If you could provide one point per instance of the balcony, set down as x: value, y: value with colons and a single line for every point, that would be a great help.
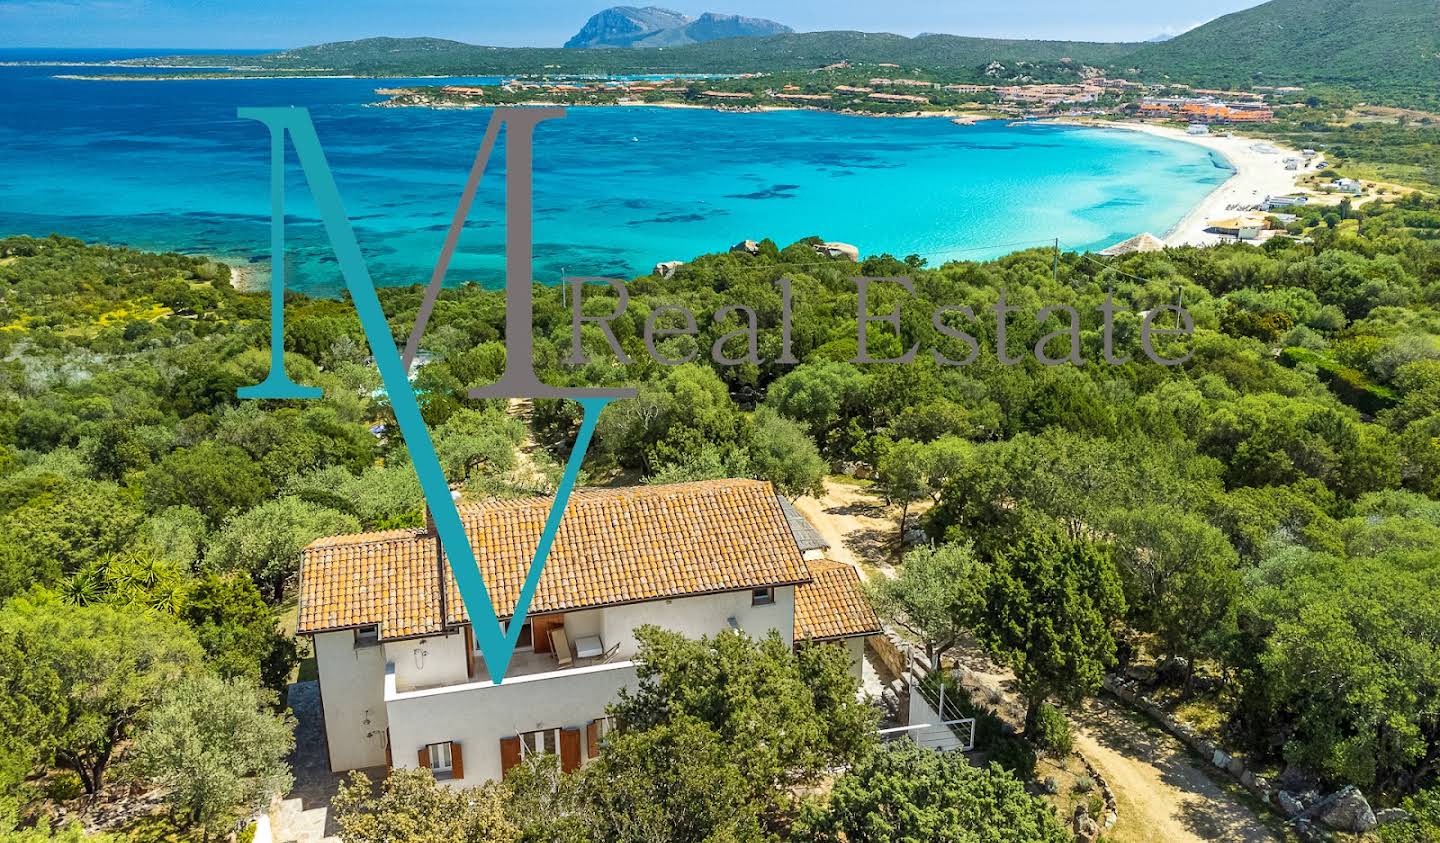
x: 525, y: 668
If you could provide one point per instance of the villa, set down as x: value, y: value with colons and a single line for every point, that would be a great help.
x: 402, y: 683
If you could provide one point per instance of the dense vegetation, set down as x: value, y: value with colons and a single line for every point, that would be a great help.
x: 432, y: 56
x: 1264, y: 515
x: 1388, y: 48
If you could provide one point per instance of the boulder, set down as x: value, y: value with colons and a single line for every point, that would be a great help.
x: 666, y: 269
x: 1289, y: 804
x: 1247, y: 780
x: 1348, y: 811
x: 1236, y: 767
x: 1085, y: 828
x: 1220, y: 758
x: 1391, y: 815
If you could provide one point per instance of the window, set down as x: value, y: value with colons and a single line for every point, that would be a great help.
x: 441, y: 760
x: 540, y: 742
x: 762, y: 596
x: 367, y: 636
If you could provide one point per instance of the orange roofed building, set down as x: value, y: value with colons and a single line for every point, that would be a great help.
x: 403, y: 684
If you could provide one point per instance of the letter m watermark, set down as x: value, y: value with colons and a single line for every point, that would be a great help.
x: 519, y: 379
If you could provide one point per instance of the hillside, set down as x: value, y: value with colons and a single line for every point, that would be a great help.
x: 651, y: 26
x: 1389, y: 46
x: 1387, y: 50
x: 793, y: 51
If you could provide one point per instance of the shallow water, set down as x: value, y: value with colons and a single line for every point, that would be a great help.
x: 168, y: 165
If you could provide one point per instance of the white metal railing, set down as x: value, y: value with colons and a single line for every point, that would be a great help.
x: 947, y: 735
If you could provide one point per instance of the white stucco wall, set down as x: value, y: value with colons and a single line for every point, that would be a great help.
x: 479, y: 714
x: 696, y: 616
x: 352, y: 691
x: 855, y: 649
x: 431, y: 698
x: 428, y: 662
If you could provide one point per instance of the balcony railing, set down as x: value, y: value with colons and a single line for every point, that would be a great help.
x: 532, y: 668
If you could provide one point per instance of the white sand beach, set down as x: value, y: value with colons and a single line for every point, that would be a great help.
x: 1259, y: 172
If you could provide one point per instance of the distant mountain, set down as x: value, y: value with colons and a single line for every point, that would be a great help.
x: 621, y: 26
x: 1375, y: 45
x: 652, y: 26
x: 1161, y: 38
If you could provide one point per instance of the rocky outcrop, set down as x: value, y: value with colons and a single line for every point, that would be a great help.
x: 1347, y: 810
x: 652, y: 26
x: 1085, y: 828
x: 621, y: 26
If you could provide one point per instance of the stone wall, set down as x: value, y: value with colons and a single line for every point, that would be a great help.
x: 1344, y: 810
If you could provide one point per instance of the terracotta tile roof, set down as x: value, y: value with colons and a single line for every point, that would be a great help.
x: 613, y: 546
x: 833, y: 605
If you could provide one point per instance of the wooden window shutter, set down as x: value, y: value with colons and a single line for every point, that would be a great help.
x: 469, y: 652
x: 592, y: 739
x: 425, y: 757
x: 457, y: 763
x: 569, y: 749
x: 509, y: 754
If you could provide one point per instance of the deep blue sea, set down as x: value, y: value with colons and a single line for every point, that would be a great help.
x: 167, y: 165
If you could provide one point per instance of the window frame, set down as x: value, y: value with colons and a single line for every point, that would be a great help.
x: 446, y: 771
x: 762, y: 596
x: 542, y: 737
x: 367, y: 635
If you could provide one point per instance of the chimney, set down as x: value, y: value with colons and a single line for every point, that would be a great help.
x: 439, y: 552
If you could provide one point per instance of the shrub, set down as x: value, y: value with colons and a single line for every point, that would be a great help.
x: 1051, y: 732
x: 64, y: 786
x: 1083, y: 784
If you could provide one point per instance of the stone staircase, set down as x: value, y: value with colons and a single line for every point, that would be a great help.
x: 292, y: 822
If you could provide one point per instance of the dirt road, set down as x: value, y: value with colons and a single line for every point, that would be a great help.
x: 1162, y: 792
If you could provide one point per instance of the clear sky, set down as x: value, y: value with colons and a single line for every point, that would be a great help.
x: 293, y: 23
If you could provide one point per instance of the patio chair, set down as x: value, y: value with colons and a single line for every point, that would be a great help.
x: 561, y: 645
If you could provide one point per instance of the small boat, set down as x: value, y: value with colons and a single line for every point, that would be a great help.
x: 634, y: 139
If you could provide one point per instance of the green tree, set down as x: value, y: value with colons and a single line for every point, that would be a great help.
x: 217, y: 749
x: 676, y: 781
x: 265, y: 542
x: 109, y: 665
x: 1181, y: 578
x: 238, y: 630
x: 785, y: 718
x: 1049, y: 610
x: 782, y: 453
x: 937, y: 595
x: 215, y: 479
x: 902, y: 477
x: 906, y: 793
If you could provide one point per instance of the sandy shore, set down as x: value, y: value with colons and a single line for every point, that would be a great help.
x: 1259, y: 172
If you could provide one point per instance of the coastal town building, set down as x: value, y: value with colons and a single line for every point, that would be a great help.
x: 402, y: 683
x: 905, y: 98
x: 1205, y: 110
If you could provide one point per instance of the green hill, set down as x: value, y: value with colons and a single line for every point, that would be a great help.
x: 1389, y: 47
x: 794, y: 51
x: 1389, y: 50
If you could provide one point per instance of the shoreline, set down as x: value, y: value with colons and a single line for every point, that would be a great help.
x: 970, y: 117
x: 1258, y: 173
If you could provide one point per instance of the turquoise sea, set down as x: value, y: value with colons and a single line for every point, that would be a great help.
x: 167, y: 165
